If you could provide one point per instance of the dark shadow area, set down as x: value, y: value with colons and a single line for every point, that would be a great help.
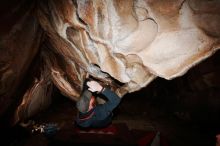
x: 184, y: 110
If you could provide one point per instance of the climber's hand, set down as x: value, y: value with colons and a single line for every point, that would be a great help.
x: 94, y: 86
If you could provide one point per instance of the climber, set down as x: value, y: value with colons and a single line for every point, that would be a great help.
x: 92, y: 115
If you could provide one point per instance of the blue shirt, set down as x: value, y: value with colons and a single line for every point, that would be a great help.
x: 100, y: 115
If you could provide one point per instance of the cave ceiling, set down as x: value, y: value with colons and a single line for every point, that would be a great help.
x: 123, y: 43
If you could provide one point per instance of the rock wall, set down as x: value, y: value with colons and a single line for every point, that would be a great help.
x: 125, y: 44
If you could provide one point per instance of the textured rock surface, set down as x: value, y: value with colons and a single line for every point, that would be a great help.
x: 132, y: 42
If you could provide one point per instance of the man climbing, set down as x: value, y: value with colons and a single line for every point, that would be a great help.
x: 96, y: 115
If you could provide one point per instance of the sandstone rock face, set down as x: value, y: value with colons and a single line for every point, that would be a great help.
x: 21, y: 36
x: 123, y: 43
